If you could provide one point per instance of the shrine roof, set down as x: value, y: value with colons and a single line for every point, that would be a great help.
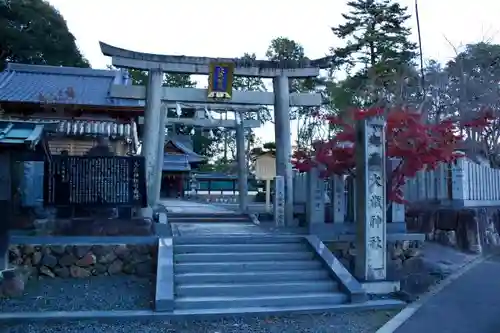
x: 62, y: 85
x: 185, y: 144
x: 176, y: 162
x: 23, y: 133
x: 215, y: 176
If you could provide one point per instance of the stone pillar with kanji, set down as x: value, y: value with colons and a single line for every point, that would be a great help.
x: 371, y: 248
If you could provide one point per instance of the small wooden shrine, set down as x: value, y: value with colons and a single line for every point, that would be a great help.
x: 178, y: 162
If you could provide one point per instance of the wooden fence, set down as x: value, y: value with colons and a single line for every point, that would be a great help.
x: 466, y: 182
x: 463, y: 183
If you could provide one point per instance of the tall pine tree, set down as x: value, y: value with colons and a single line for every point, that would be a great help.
x: 378, y: 51
x: 376, y: 34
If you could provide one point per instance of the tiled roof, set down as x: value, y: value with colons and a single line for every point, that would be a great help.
x: 62, y: 85
x: 176, y: 162
x: 25, y: 133
x: 214, y: 176
x: 185, y: 144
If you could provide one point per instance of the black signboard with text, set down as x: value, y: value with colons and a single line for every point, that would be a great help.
x: 88, y: 181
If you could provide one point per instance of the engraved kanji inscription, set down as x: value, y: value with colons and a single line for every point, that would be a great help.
x: 375, y: 180
x: 375, y: 243
x: 375, y: 221
x: 376, y: 201
x: 374, y: 160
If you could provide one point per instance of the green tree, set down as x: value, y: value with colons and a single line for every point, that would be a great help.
x: 264, y: 115
x: 140, y: 78
x: 378, y: 53
x: 376, y: 34
x: 466, y: 86
x: 34, y: 32
x: 286, y: 50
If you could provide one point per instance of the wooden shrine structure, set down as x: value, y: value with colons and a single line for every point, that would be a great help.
x: 77, y: 99
x: 179, y: 160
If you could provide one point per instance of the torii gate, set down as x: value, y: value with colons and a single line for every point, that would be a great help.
x: 200, y: 119
x: 224, y: 68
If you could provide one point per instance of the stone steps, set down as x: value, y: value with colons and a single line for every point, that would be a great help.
x: 224, y: 274
x: 242, y: 256
x: 240, y: 248
x: 250, y: 289
x: 274, y: 300
x: 305, y: 275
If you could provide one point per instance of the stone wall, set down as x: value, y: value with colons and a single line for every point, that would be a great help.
x: 405, y: 263
x: 77, y: 261
x: 399, y: 254
x: 467, y: 229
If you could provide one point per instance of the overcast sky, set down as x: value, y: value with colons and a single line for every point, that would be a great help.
x: 191, y: 27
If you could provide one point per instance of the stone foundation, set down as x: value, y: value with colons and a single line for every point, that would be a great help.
x: 93, y: 227
x: 468, y: 229
x: 77, y: 261
x: 399, y: 254
x: 46, y: 222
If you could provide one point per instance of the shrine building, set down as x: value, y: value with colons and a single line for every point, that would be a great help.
x: 79, y: 100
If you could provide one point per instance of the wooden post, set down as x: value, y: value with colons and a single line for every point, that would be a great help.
x: 6, y: 206
x: 459, y: 180
x: 371, y: 246
x: 268, y: 195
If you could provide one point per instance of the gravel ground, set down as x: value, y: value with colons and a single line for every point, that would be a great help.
x: 95, y: 293
x: 360, y: 322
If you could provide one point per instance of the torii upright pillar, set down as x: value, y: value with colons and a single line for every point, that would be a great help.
x: 242, y: 163
x: 151, y: 131
x: 283, y: 140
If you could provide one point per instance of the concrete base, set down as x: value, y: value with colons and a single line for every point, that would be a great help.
x: 164, y: 296
x: 124, y: 315
x: 347, y: 282
x: 381, y: 287
x: 146, y: 212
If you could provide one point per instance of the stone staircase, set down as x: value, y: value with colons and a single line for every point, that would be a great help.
x: 251, y: 274
x: 229, y: 217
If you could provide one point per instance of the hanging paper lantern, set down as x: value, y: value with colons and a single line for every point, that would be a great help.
x: 178, y: 110
x: 208, y: 114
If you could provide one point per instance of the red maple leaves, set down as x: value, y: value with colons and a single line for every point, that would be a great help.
x: 414, y: 144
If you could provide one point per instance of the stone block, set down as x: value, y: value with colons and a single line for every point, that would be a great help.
x: 76, y: 261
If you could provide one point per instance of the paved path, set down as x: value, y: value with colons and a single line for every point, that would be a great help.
x: 470, y: 304
x: 185, y: 206
x: 206, y: 228
x: 213, y: 229
x: 224, y: 228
